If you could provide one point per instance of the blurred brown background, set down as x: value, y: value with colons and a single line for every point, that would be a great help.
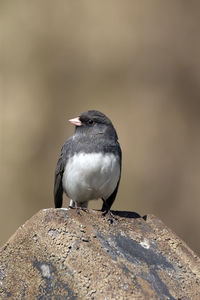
x: 136, y: 61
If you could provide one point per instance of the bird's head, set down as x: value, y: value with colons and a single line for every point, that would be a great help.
x: 94, y: 122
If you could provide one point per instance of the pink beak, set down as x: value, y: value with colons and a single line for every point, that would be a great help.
x: 76, y: 121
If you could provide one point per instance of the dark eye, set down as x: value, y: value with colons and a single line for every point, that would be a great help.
x: 90, y: 122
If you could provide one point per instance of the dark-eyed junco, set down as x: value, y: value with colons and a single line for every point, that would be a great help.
x: 89, y: 166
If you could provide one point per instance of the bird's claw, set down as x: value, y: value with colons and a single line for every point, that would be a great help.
x: 110, y: 215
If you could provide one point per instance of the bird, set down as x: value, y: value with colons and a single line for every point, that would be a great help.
x: 89, y: 166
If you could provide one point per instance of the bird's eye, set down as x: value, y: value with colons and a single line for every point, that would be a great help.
x: 90, y: 122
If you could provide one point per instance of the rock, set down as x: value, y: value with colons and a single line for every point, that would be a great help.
x: 59, y: 254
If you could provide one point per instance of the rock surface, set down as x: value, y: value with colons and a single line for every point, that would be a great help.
x: 59, y: 254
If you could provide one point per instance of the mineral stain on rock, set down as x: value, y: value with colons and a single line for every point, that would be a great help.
x: 51, y: 286
x: 121, y: 246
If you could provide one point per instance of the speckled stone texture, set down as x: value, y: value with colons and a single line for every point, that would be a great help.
x: 60, y: 254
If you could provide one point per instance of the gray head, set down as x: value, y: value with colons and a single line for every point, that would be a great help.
x: 94, y: 122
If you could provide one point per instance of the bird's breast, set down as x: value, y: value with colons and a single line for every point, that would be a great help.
x: 91, y: 176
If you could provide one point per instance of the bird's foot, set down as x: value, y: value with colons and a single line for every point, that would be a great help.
x: 110, y: 215
x: 84, y: 209
x: 78, y: 209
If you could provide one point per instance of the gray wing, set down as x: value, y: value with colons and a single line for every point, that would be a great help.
x: 58, y: 187
x: 107, y: 203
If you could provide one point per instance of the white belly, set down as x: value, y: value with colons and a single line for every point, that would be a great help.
x: 91, y: 176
